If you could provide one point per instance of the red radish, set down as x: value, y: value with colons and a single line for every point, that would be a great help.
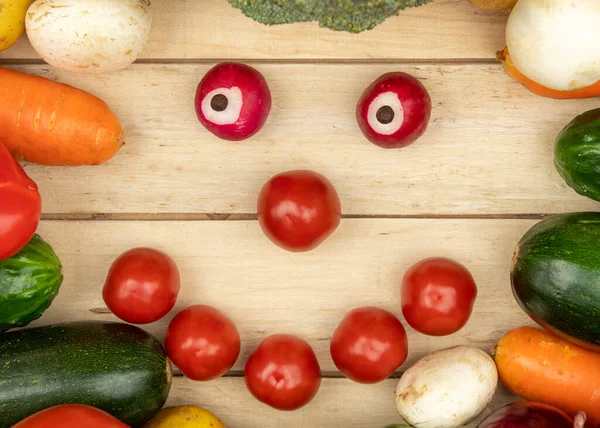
x: 531, y: 415
x: 233, y: 101
x: 394, y: 111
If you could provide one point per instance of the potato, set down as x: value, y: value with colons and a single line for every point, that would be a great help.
x: 89, y: 36
x: 447, y: 389
x: 494, y: 4
x: 12, y: 21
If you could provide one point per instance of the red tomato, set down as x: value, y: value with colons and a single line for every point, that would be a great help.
x: 203, y: 342
x: 369, y: 345
x: 20, y: 206
x: 298, y: 210
x: 283, y: 372
x: 142, y: 286
x: 438, y: 295
x: 71, y: 416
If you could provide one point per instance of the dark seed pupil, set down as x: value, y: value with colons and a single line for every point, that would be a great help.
x: 385, y: 114
x: 219, y: 102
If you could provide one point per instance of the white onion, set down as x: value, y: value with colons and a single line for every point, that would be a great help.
x: 556, y: 42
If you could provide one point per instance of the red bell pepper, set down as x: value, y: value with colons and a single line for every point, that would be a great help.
x: 71, y: 416
x: 20, y: 206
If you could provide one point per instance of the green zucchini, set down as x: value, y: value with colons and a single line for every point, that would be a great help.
x: 116, y: 367
x: 29, y: 282
x: 555, y: 276
x: 577, y: 154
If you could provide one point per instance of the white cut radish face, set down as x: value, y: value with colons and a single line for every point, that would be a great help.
x: 223, y: 106
x: 386, y: 115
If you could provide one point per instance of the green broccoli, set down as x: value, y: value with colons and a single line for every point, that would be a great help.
x: 341, y: 15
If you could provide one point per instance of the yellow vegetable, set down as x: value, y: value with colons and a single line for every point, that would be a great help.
x: 494, y: 4
x: 184, y: 417
x: 12, y: 21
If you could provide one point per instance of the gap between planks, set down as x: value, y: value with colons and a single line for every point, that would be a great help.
x: 253, y: 217
x: 341, y: 61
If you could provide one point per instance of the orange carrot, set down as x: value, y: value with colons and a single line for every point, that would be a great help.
x: 539, y: 366
x: 51, y: 123
x: 588, y: 92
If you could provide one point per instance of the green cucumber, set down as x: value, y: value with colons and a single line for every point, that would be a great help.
x: 116, y: 367
x: 577, y: 154
x: 555, y: 276
x: 29, y: 282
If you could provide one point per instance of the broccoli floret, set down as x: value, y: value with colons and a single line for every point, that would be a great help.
x: 341, y: 15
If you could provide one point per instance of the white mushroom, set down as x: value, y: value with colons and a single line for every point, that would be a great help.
x: 89, y: 36
x: 447, y: 389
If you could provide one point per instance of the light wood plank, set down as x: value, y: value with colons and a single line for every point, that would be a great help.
x: 339, y: 403
x: 200, y: 29
x: 265, y: 290
x: 488, y: 150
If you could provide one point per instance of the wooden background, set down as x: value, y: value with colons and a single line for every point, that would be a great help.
x: 479, y: 178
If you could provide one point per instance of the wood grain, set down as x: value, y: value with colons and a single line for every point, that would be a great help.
x: 265, y: 290
x: 208, y: 29
x: 488, y: 149
x: 339, y: 403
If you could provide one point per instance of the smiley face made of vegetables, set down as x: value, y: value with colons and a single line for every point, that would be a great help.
x: 233, y: 101
x: 394, y: 111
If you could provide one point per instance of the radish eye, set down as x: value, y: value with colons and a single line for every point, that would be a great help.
x: 223, y: 106
x: 386, y: 115
x: 219, y: 102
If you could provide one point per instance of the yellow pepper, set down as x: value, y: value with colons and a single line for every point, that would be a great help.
x: 184, y: 417
x: 12, y: 21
